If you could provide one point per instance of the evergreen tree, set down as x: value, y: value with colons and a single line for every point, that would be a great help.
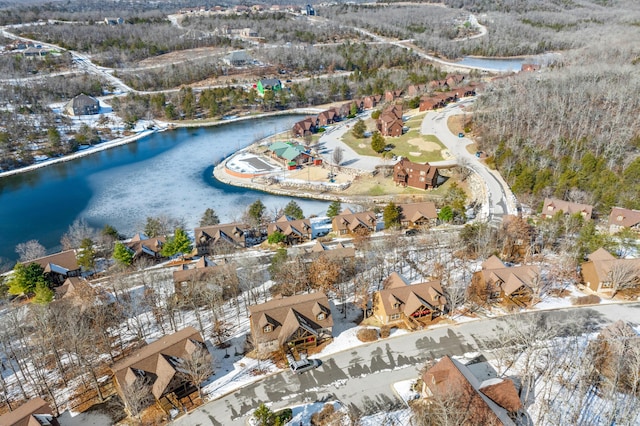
x: 256, y: 211
x: 43, y: 294
x: 153, y: 227
x: 87, y: 255
x: 334, y: 209
x: 264, y: 416
x: 276, y: 237
x: 26, y: 278
x: 392, y: 215
x: 378, y: 142
x: 446, y: 214
x: 111, y: 232
x: 293, y: 210
x: 178, y: 244
x: 209, y: 218
x: 122, y: 254
x: 358, y: 129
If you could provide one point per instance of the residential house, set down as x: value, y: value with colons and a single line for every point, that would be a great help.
x: 412, y: 304
x: 415, y: 175
x: 291, y: 323
x: 326, y: 117
x: 304, y: 127
x: 349, y: 222
x: 58, y: 267
x: 36, y: 412
x: 79, y: 293
x: 296, y: 230
x: 35, y: 52
x: 416, y: 89
x: 372, y: 101
x: 390, y: 121
x: 530, y: 67
x: 142, y: 246
x: 486, y: 401
x: 392, y: 95
x: 497, y: 282
x: 454, y: 80
x: 228, y: 235
x: 418, y: 214
x: 82, y: 105
x: 289, y: 153
x: 238, y: 58
x: 602, y: 268
x: 269, y: 84
x: 345, y: 108
x: 205, y: 273
x: 158, y: 366
x: 620, y: 219
x: 338, y: 252
x: 552, y: 206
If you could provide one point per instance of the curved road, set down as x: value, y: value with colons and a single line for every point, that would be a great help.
x: 498, y: 198
x: 361, y: 377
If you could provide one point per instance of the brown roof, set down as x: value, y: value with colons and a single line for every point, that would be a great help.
x: 450, y: 377
x: 159, y: 358
x: 624, y: 217
x: 290, y: 226
x: 339, y: 251
x: 286, y: 315
x: 347, y: 220
x: 597, y: 270
x: 553, y: 205
x: 195, y: 274
x: 59, y: 262
x: 410, y: 296
x: 509, y: 279
x: 24, y: 415
x: 150, y: 246
x: 230, y: 232
x: 415, y: 212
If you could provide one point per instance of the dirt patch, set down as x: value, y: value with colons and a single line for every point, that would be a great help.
x: 361, y: 145
x: 180, y: 56
x: 424, y: 145
x: 415, y: 154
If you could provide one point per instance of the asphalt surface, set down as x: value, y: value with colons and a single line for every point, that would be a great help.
x: 362, y: 377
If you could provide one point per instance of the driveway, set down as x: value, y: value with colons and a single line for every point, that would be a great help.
x: 362, y: 377
x: 498, y: 198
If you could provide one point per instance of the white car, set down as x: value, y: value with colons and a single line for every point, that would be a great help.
x: 303, y: 365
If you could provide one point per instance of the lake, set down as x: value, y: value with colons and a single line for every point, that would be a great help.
x: 168, y: 173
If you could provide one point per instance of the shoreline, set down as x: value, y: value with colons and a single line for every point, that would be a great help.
x: 160, y: 126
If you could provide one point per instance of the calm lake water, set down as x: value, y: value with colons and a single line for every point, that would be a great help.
x: 168, y: 173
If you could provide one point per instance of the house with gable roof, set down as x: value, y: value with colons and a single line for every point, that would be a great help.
x: 597, y: 271
x: 82, y: 105
x: 305, y: 127
x: 35, y: 412
x: 401, y: 301
x: 58, y: 267
x: 620, y: 219
x: 232, y: 235
x: 338, y: 252
x: 552, y: 206
x: 291, y: 323
x: 142, y: 246
x: 415, y: 175
x: 190, y: 278
x: 349, y: 222
x: 296, y: 230
x: 157, y: 365
x: 268, y: 85
x: 290, y: 154
x: 497, y: 282
x: 418, y: 214
x: 489, y: 401
x: 390, y: 122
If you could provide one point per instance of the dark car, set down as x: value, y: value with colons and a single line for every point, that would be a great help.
x: 411, y: 232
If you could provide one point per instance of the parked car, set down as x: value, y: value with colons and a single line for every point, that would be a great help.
x: 412, y: 232
x: 299, y: 367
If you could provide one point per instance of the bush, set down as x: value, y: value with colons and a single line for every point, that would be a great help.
x: 376, y: 114
x: 590, y: 299
x: 367, y: 335
x: 323, y: 416
x: 385, y: 331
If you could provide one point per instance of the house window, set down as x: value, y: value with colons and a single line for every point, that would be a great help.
x: 394, y: 317
x: 423, y: 173
x: 421, y: 179
x: 321, y: 316
x: 550, y: 208
x: 495, y: 295
x: 606, y: 284
x: 396, y: 305
x: 267, y: 328
x: 620, y: 218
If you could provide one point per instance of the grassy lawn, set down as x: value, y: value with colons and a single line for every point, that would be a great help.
x: 411, y: 145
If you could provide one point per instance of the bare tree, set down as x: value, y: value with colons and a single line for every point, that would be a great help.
x: 337, y: 156
x: 78, y: 231
x: 136, y: 396
x: 624, y: 274
x: 197, y: 367
x: 30, y: 250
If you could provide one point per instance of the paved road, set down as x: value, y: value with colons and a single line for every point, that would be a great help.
x: 499, y: 200
x: 362, y: 377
